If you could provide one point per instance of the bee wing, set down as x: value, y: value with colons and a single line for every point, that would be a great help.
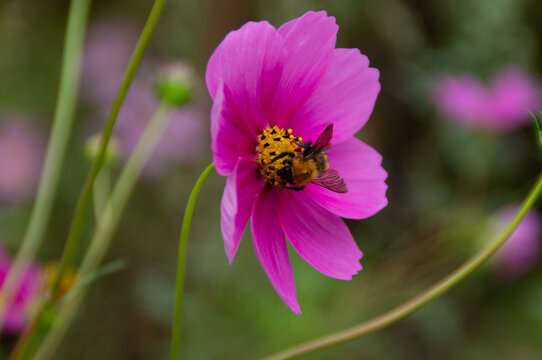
x: 332, y: 181
x: 322, y: 143
x: 325, y: 138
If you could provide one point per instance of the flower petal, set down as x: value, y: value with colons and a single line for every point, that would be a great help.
x: 242, y: 188
x: 320, y: 237
x: 360, y: 167
x: 270, y: 247
x: 309, y: 42
x: 229, y: 139
x: 249, y: 63
x: 345, y: 98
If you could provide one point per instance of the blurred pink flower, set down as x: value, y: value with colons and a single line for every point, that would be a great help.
x: 269, y: 87
x: 109, y: 48
x: 522, y: 250
x: 183, y: 141
x: 20, y: 162
x: 501, y: 106
x: 18, y: 314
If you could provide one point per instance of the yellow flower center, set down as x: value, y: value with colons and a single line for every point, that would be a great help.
x: 275, y: 149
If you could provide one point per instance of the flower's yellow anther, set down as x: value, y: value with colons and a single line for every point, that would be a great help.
x: 271, y: 144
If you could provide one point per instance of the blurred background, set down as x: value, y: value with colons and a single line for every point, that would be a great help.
x: 450, y: 123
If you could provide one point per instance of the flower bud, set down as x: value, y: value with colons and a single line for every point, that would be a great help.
x: 92, y: 147
x: 49, y: 274
x: 175, y: 84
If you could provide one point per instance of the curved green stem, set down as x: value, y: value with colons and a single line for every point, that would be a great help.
x: 420, y: 300
x: 56, y: 148
x: 106, y: 225
x: 181, y: 262
x: 86, y: 193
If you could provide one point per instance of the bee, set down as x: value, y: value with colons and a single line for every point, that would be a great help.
x: 311, y: 166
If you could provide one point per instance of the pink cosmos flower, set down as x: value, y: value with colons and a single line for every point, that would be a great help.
x: 17, y: 315
x: 522, y: 250
x: 20, y: 162
x: 501, y: 106
x: 275, y: 93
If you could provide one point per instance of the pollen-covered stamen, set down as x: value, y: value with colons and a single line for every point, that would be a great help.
x: 276, y: 148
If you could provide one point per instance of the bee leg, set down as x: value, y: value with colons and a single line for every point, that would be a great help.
x: 296, y: 188
x: 280, y: 156
x: 304, y: 145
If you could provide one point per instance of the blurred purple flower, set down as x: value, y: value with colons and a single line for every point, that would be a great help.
x: 501, y: 106
x: 108, y: 48
x: 522, y: 250
x: 20, y: 162
x: 29, y: 289
x: 108, y: 51
x: 270, y: 86
x: 183, y: 141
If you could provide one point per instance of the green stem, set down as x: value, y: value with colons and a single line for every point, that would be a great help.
x: 420, y: 300
x: 86, y: 194
x: 181, y: 262
x: 101, y: 190
x: 56, y: 148
x: 106, y: 225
